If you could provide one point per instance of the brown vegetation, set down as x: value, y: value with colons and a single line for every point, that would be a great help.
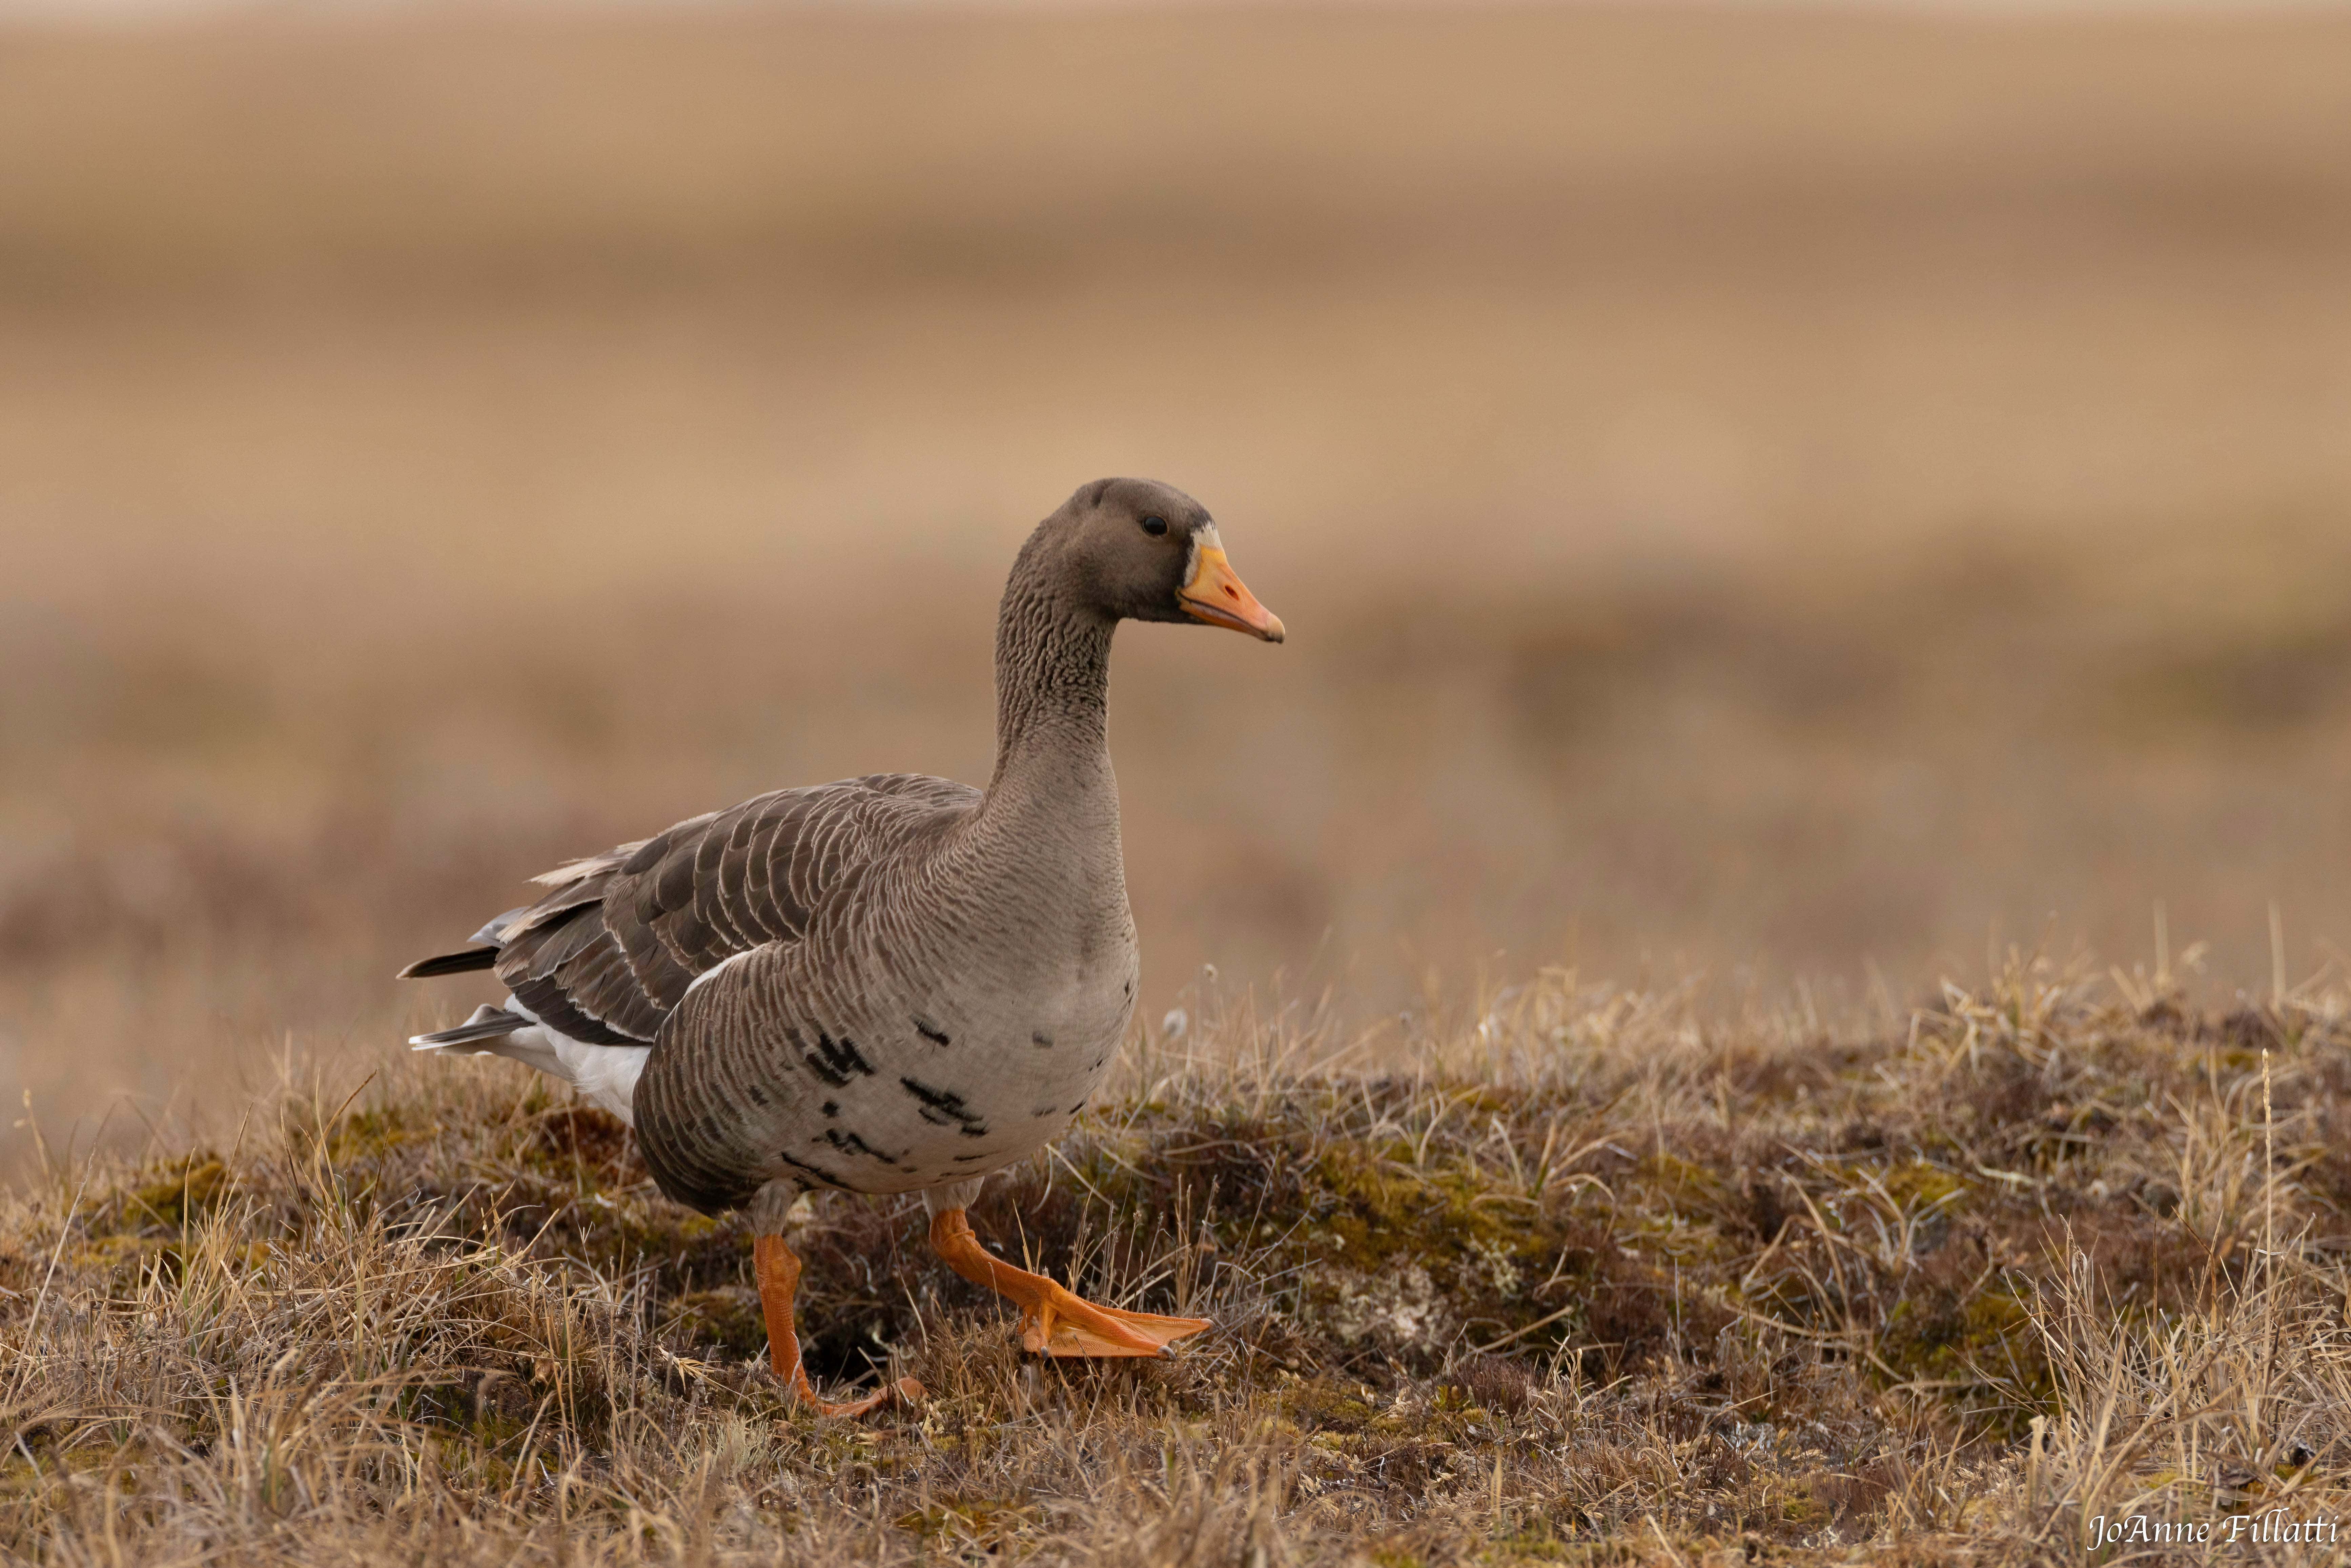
x: 1571, y: 1275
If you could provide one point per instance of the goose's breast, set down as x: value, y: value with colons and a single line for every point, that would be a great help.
x: 1029, y: 1048
x: 956, y: 1075
x: 953, y: 1049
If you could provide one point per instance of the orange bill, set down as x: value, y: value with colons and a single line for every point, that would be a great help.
x: 1214, y: 593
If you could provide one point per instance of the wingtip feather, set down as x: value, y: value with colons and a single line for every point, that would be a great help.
x: 462, y: 963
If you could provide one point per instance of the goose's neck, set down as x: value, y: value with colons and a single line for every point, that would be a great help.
x: 1053, y: 688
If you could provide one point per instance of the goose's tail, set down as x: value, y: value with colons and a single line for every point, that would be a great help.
x: 488, y: 1024
x: 607, y: 1074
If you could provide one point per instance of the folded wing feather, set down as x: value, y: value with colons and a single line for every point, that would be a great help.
x: 618, y: 937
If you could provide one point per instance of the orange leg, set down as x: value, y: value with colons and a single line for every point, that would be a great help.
x: 1054, y: 1321
x: 778, y: 1270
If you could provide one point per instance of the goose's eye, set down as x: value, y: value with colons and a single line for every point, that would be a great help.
x: 1154, y: 525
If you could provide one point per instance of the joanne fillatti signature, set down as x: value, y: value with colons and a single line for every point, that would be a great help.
x: 2274, y: 1527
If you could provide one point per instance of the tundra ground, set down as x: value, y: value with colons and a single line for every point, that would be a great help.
x: 1569, y: 1278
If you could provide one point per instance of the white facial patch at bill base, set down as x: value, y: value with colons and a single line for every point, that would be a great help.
x: 1204, y: 537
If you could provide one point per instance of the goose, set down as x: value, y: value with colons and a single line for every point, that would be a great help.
x: 884, y: 984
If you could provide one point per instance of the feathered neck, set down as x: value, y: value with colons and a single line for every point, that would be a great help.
x: 1052, y: 680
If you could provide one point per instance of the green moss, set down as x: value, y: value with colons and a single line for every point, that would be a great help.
x: 1919, y: 1185
x: 1985, y: 1341
x: 987, y: 1523
x: 190, y: 1187
x: 1687, y: 1187
x: 1380, y: 1211
x: 1324, y: 1406
x: 728, y: 1319
x: 367, y: 1134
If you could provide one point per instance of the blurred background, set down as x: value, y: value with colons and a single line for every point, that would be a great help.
x: 1785, y: 501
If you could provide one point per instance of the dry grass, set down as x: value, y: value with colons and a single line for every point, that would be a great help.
x: 1568, y: 1277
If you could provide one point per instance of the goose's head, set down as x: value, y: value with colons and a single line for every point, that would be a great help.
x: 1140, y: 550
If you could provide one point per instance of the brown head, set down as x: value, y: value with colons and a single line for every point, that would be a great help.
x: 1134, y: 550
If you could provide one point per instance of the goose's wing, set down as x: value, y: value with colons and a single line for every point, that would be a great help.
x: 617, y: 938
